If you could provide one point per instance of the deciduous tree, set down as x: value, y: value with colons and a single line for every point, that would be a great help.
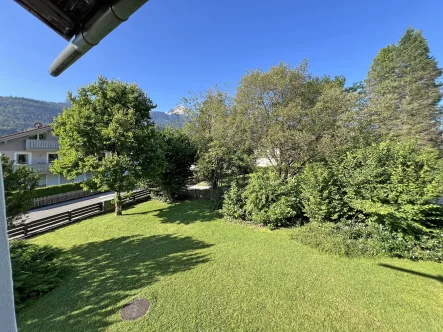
x: 19, y: 184
x: 108, y: 132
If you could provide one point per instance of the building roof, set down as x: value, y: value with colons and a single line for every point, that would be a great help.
x: 24, y: 133
x: 64, y: 16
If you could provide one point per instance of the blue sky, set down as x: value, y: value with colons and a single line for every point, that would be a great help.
x: 172, y: 47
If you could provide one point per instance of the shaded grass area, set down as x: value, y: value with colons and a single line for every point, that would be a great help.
x: 203, y: 274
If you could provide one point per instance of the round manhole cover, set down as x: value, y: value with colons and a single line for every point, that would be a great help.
x: 135, y: 309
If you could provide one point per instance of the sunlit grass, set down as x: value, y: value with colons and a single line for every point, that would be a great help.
x: 203, y: 274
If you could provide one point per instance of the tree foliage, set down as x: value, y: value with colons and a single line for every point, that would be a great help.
x: 271, y: 199
x: 109, y: 133
x: 19, y: 184
x: 222, y: 151
x: 293, y: 117
x: 396, y: 184
x: 404, y: 91
x: 180, y: 155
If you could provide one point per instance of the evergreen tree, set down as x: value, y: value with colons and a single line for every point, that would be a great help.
x: 404, y: 91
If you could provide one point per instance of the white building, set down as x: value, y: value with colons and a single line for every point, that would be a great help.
x: 35, y: 149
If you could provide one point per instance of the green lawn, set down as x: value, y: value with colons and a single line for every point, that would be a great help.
x: 203, y: 274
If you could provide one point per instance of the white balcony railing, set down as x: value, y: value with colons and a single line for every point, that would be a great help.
x: 32, y: 144
x: 40, y: 168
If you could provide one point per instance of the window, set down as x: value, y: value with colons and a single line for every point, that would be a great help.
x: 101, y: 157
x: 22, y: 159
x: 52, y: 157
x: 39, y: 136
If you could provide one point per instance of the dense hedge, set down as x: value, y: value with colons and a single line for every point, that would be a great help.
x: 268, y: 199
x: 36, y: 270
x: 55, y: 190
x: 380, y: 199
x: 393, y: 184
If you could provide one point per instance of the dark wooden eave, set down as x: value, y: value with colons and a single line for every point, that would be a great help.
x: 63, y: 16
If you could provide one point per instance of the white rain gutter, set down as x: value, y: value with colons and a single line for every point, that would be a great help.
x: 93, y: 31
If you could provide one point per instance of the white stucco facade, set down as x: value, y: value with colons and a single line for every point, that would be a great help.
x: 35, y: 149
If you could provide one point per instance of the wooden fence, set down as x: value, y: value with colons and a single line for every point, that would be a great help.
x: 32, y: 228
x: 59, y: 198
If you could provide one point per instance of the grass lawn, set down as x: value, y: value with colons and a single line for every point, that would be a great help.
x: 203, y: 274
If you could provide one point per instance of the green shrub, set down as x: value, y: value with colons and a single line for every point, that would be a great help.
x: 350, y: 239
x: 55, y: 190
x: 180, y: 153
x: 393, y: 184
x: 272, y: 200
x: 36, y: 270
x: 234, y: 203
x: 321, y: 194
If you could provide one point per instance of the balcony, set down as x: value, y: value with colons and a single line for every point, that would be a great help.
x: 32, y: 144
x: 40, y: 168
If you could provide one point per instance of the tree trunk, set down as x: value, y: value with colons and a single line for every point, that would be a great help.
x: 118, y: 204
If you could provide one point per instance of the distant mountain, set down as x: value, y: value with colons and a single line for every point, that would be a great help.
x: 18, y: 114
x: 175, y: 117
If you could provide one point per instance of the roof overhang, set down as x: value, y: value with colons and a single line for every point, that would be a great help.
x: 24, y: 133
x: 63, y: 16
x: 83, y: 22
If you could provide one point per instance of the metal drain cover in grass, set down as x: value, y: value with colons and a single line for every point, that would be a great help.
x: 135, y: 309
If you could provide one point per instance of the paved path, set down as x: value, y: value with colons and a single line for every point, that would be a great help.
x: 50, y: 210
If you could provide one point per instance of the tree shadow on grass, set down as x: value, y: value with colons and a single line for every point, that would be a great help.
x: 186, y: 212
x: 425, y: 275
x: 105, y: 275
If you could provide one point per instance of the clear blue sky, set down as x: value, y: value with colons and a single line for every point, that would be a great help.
x: 171, y: 47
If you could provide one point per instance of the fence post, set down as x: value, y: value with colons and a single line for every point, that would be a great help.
x: 25, y: 229
x: 70, y: 215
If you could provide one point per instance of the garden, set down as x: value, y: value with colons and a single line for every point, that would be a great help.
x: 325, y: 209
x: 204, y: 274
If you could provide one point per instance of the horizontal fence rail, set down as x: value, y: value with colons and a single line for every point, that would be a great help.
x: 32, y: 228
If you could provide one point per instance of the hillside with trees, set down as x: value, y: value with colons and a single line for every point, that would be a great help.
x: 18, y: 113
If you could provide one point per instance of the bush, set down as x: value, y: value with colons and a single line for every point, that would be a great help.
x: 55, y: 190
x: 350, y: 239
x: 392, y: 184
x: 234, y: 203
x: 272, y: 200
x: 180, y: 154
x: 321, y: 194
x: 36, y: 270
x: 19, y: 185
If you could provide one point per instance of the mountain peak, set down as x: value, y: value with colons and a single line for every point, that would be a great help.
x: 177, y: 110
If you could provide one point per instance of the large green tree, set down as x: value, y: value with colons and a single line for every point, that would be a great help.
x: 292, y: 117
x: 404, y: 91
x: 222, y: 149
x: 108, y: 132
x: 19, y: 184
